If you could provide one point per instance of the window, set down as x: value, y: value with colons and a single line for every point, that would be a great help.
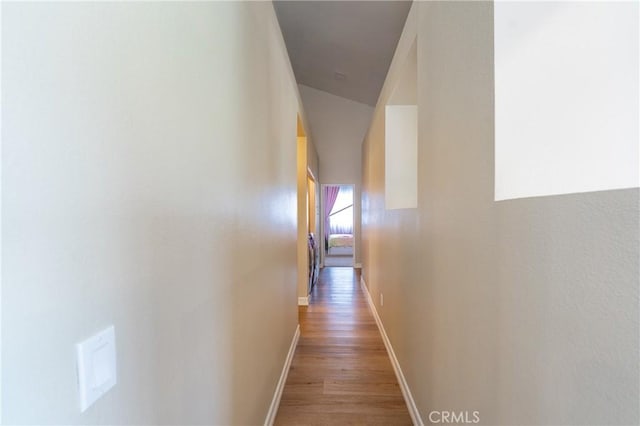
x: 341, y: 216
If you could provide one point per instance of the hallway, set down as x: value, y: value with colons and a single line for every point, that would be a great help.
x: 164, y: 212
x: 341, y: 373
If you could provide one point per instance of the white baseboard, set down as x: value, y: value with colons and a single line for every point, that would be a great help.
x: 404, y: 387
x: 303, y: 301
x: 275, y: 402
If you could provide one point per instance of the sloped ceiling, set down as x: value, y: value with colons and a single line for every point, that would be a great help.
x: 342, y: 47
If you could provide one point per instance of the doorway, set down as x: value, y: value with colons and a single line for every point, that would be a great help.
x: 308, y: 247
x: 338, y: 242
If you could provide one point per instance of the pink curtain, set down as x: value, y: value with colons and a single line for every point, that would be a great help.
x: 330, y: 196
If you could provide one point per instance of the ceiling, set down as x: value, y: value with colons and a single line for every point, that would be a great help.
x: 342, y: 47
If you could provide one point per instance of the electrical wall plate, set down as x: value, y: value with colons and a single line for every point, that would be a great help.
x: 96, y: 366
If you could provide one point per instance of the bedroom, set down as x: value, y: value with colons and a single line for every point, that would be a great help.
x: 338, y: 225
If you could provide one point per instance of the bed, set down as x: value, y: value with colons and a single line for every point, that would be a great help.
x: 340, y: 244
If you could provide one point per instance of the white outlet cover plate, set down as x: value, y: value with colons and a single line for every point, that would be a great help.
x: 96, y: 366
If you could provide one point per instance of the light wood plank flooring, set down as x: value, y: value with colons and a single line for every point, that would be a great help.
x: 341, y: 373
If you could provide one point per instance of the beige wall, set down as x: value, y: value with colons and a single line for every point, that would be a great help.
x: 149, y: 181
x: 337, y: 126
x: 525, y: 310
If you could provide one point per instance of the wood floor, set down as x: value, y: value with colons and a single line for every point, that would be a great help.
x: 341, y: 373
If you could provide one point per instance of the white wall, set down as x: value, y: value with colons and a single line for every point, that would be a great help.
x: 525, y: 310
x: 337, y: 126
x: 149, y: 181
x: 567, y: 97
